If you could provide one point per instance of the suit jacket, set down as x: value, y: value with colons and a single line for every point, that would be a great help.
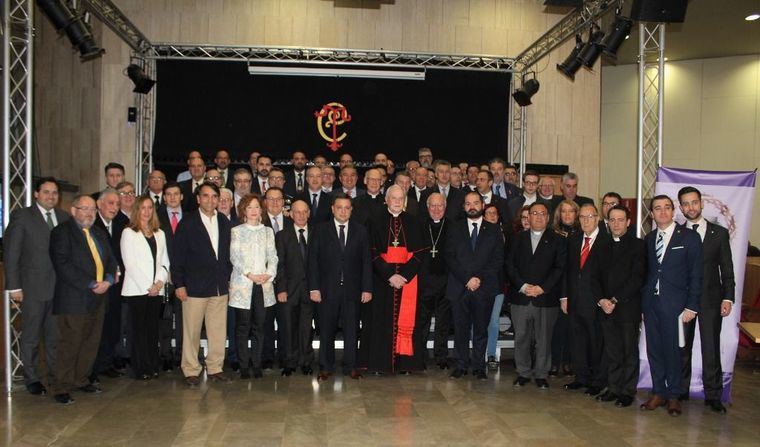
x: 338, y: 189
x: 484, y: 263
x: 189, y: 201
x: 619, y: 272
x: 255, y: 187
x: 579, y: 200
x: 27, y: 253
x: 516, y: 204
x: 545, y: 267
x: 365, y: 208
x: 75, y: 269
x: 140, y: 270
x: 680, y: 274
x: 327, y: 262
x: 324, y: 212
x: 511, y: 191
x: 165, y: 224
x: 413, y: 206
x: 195, y: 266
x: 291, y: 266
x: 114, y: 238
x: 454, y: 203
x: 290, y: 183
x: 580, y: 296
x: 502, y: 207
x: 718, y: 276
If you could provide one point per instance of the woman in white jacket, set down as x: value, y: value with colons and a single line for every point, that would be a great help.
x: 146, y: 267
x: 254, y: 266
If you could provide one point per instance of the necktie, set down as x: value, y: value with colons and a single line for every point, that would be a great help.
x: 474, y: 235
x: 223, y: 177
x: 275, y: 225
x: 99, y: 271
x: 302, y: 243
x: 445, y: 192
x: 108, y: 227
x: 584, y: 251
x: 299, y: 183
x: 498, y: 189
x: 156, y: 200
x: 174, y: 222
x: 263, y: 186
x: 342, y: 237
x: 694, y: 227
x: 49, y: 220
x: 314, y: 203
x: 660, y: 246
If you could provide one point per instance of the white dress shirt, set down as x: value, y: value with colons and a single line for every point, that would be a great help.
x: 701, y: 229
x: 487, y: 197
x: 337, y: 228
x: 278, y: 219
x: 529, y: 200
x: 44, y: 214
x: 212, y: 228
x: 305, y: 232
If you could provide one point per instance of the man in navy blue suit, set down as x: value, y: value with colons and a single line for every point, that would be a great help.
x: 670, y: 298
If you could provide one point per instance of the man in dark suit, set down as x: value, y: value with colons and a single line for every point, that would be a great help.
x: 348, y: 179
x: 609, y: 201
x: 569, y: 187
x: 528, y: 196
x: 535, y: 266
x: 114, y: 174
x: 454, y: 196
x: 169, y: 216
x: 474, y: 256
x: 30, y: 279
x: 85, y: 269
x: 502, y: 186
x: 197, y: 168
x: 340, y: 279
x: 222, y: 162
x: 156, y: 182
x: 261, y: 179
x: 315, y: 197
x: 669, y: 297
x: 718, y: 290
x: 414, y: 201
x: 297, y: 310
x: 295, y: 179
x: 581, y: 305
x: 112, y: 222
x: 616, y: 279
x: 483, y: 184
x: 370, y: 204
x: 201, y: 271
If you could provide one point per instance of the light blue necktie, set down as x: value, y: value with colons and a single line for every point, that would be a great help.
x: 660, y: 246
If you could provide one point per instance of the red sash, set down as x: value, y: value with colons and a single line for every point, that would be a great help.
x: 408, y: 308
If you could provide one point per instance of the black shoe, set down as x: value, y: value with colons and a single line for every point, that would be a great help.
x: 592, y: 391
x: 92, y: 389
x: 624, y: 401
x: 574, y: 385
x: 287, y: 372
x: 94, y: 380
x: 36, y: 389
x: 112, y: 373
x: 458, y: 373
x: 235, y: 366
x: 143, y: 377
x: 683, y: 397
x: 245, y: 373
x: 480, y: 374
x: 64, y: 399
x: 167, y: 366
x: 493, y: 365
x: 607, y: 396
x: 715, y: 405
x: 520, y: 381
x: 542, y: 384
x: 257, y: 374
x: 307, y: 370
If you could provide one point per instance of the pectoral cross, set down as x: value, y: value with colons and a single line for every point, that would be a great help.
x: 433, y: 252
x: 395, y: 243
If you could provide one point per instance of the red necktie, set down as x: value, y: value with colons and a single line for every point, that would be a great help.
x: 174, y: 222
x: 584, y: 251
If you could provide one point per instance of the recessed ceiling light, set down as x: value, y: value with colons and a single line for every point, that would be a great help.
x: 752, y: 17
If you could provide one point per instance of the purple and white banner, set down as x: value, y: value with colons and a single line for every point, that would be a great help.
x: 728, y: 197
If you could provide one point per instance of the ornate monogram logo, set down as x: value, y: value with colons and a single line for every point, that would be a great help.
x: 332, y: 115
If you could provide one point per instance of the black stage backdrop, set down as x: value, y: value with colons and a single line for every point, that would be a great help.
x: 204, y: 105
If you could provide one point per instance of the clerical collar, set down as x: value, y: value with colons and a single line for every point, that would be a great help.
x: 374, y: 196
x: 394, y: 214
x: 537, y: 233
x: 437, y: 221
x: 616, y: 239
x: 546, y: 197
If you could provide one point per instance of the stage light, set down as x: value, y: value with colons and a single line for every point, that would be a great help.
x: 142, y: 82
x: 526, y: 91
x: 752, y: 17
x: 336, y: 70
x: 572, y: 64
x: 78, y: 32
x: 592, y: 49
x: 619, y: 32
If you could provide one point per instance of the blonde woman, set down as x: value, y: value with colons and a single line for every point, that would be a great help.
x: 146, y: 270
x: 254, y: 266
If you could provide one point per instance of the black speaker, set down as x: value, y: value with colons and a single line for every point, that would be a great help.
x: 668, y: 11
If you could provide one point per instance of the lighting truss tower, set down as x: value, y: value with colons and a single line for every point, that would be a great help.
x: 651, y: 100
x: 145, y: 125
x: 17, y: 145
x: 517, y: 130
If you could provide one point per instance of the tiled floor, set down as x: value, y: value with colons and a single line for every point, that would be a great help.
x: 419, y: 410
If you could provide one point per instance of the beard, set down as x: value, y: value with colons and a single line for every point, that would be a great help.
x: 474, y: 213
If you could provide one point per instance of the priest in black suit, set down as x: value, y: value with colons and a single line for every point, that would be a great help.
x: 474, y: 256
x: 616, y: 281
x: 318, y: 200
x: 718, y: 290
x: 371, y: 204
x: 414, y: 197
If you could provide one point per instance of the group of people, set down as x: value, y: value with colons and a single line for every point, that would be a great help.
x: 229, y: 253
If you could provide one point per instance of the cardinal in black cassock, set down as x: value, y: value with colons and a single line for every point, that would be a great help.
x: 388, y: 321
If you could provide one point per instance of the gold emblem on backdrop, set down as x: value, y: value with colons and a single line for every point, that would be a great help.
x: 329, y: 119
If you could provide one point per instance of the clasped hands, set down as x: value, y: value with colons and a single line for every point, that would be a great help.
x: 533, y: 291
x: 155, y: 288
x: 397, y: 281
x: 607, y: 305
x: 473, y: 284
x: 259, y: 279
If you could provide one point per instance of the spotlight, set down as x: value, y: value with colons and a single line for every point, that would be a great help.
x: 78, y: 32
x: 619, y: 32
x: 142, y: 82
x: 526, y: 91
x: 571, y: 65
x: 592, y: 49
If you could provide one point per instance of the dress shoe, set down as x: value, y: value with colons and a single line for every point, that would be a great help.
x: 322, y: 376
x: 220, y: 377
x: 245, y: 373
x: 143, y: 377
x: 624, y: 401
x: 287, y: 372
x: 94, y: 380
x: 592, y: 391
x: 542, y: 384
x: 554, y: 371
x: 520, y: 381
x: 683, y: 397
x: 307, y: 370
x: 458, y: 373
x: 575, y: 385
x: 90, y: 388
x: 64, y: 399
x: 480, y: 374
x: 356, y: 375
x: 653, y: 403
x: 493, y: 365
x: 715, y: 405
x: 36, y: 388
x: 112, y: 373
x: 168, y: 365
x: 257, y: 373
x: 192, y: 381
x: 607, y: 396
x: 235, y: 366
x: 674, y: 407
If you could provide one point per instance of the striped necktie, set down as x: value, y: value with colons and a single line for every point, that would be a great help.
x: 660, y: 246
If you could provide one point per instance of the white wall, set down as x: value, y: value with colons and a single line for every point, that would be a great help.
x: 712, y: 121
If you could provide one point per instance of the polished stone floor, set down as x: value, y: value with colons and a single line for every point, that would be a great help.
x: 418, y: 410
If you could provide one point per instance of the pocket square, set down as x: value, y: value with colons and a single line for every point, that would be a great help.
x: 677, y: 248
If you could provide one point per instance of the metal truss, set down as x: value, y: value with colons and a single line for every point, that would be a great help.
x: 18, y: 24
x: 578, y: 20
x: 111, y: 16
x: 651, y: 100
x: 145, y: 125
x: 516, y: 132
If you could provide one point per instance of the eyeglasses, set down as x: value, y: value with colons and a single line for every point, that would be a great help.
x: 538, y: 213
x: 127, y: 193
x: 526, y: 182
x: 156, y: 178
x: 610, y: 204
x: 212, y: 178
x: 277, y: 199
x: 588, y: 216
x: 86, y: 209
